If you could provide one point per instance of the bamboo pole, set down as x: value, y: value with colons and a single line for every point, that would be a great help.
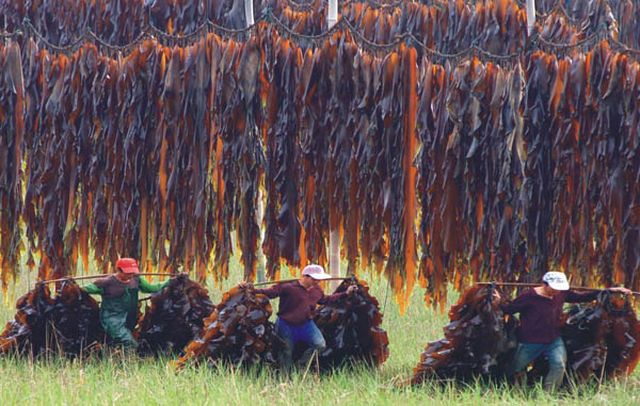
x: 80, y: 278
x: 293, y: 280
x: 531, y: 285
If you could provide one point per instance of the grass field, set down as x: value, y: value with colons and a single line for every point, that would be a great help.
x: 148, y: 381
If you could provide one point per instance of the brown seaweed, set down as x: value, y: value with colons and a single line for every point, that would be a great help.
x: 509, y: 154
x: 352, y: 329
x: 174, y: 318
x: 601, y: 338
x: 238, y: 332
x: 477, y: 343
x: 67, y: 324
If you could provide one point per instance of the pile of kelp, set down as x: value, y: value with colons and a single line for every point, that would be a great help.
x: 238, y: 332
x: 478, y: 340
x: 67, y: 324
x: 352, y: 329
x: 602, y: 340
x: 440, y: 141
x: 174, y: 318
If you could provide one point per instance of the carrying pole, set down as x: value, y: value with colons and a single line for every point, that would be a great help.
x: 531, y: 285
x: 86, y: 277
x: 293, y: 280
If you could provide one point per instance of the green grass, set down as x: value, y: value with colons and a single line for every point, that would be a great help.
x: 118, y: 380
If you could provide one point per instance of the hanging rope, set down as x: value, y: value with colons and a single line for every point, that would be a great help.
x: 149, y: 30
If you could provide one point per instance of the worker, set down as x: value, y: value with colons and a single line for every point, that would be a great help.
x: 298, y: 301
x: 119, y: 308
x: 541, y: 309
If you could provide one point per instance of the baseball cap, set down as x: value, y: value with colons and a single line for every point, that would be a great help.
x: 556, y: 280
x: 315, y: 271
x: 128, y: 265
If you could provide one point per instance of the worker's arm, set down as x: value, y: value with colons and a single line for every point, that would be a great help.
x: 146, y: 287
x: 518, y: 305
x: 92, y: 289
x: 271, y: 292
x: 581, y: 297
x: 326, y: 299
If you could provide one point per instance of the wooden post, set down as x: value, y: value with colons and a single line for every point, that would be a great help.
x: 332, y: 15
x: 260, y: 271
x: 531, y: 15
x: 334, y: 256
x: 248, y: 12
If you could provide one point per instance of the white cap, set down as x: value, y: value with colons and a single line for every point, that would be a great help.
x: 316, y: 272
x: 556, y: 280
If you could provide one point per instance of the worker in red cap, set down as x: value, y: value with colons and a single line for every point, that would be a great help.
x: 119, y: 309
x: 298, y: 301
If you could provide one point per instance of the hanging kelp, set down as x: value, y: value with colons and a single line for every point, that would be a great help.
x: 242, y: 157
x: 174, y: 318
x: 282, y: 233
x: 433, y: 126
x: 351, y: 327
x: 520, y: 152
x: 68, y: 324
x: 12, y: 132
x: 237, y: 332
x: 477, y: 344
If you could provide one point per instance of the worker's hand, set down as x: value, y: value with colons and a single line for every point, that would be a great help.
x: 495, y: 296
x: 620, y: 290
x: 352, y: 289
x: 246, y: 285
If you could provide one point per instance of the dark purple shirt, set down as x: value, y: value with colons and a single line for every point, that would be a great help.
x: 297, y: 304
x: 541, y: 317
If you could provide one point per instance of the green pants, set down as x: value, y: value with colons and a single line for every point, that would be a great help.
x: 115, y: 325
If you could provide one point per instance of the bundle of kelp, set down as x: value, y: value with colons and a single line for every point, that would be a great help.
x: 174, y: 318
x: 478, y: 340
x: 602, y: 339
x: 351, y: 327
x: 237, y: 332
x: 68, y: 324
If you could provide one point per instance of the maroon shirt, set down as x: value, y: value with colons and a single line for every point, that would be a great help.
x: 541, y: 317
x: 297, y: 304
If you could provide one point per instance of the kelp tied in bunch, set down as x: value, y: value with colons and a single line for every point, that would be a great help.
x: 602, y: 339
x: 68, y: 324
x: 477, y: 341
x: 237, y: 332
x: 175, y: 317
x: 351, y: 327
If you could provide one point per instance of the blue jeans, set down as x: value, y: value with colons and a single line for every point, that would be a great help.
x: 555, y: 352
x: 307, y: 333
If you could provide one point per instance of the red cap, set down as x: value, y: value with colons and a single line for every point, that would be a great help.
x: 128, y: 265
